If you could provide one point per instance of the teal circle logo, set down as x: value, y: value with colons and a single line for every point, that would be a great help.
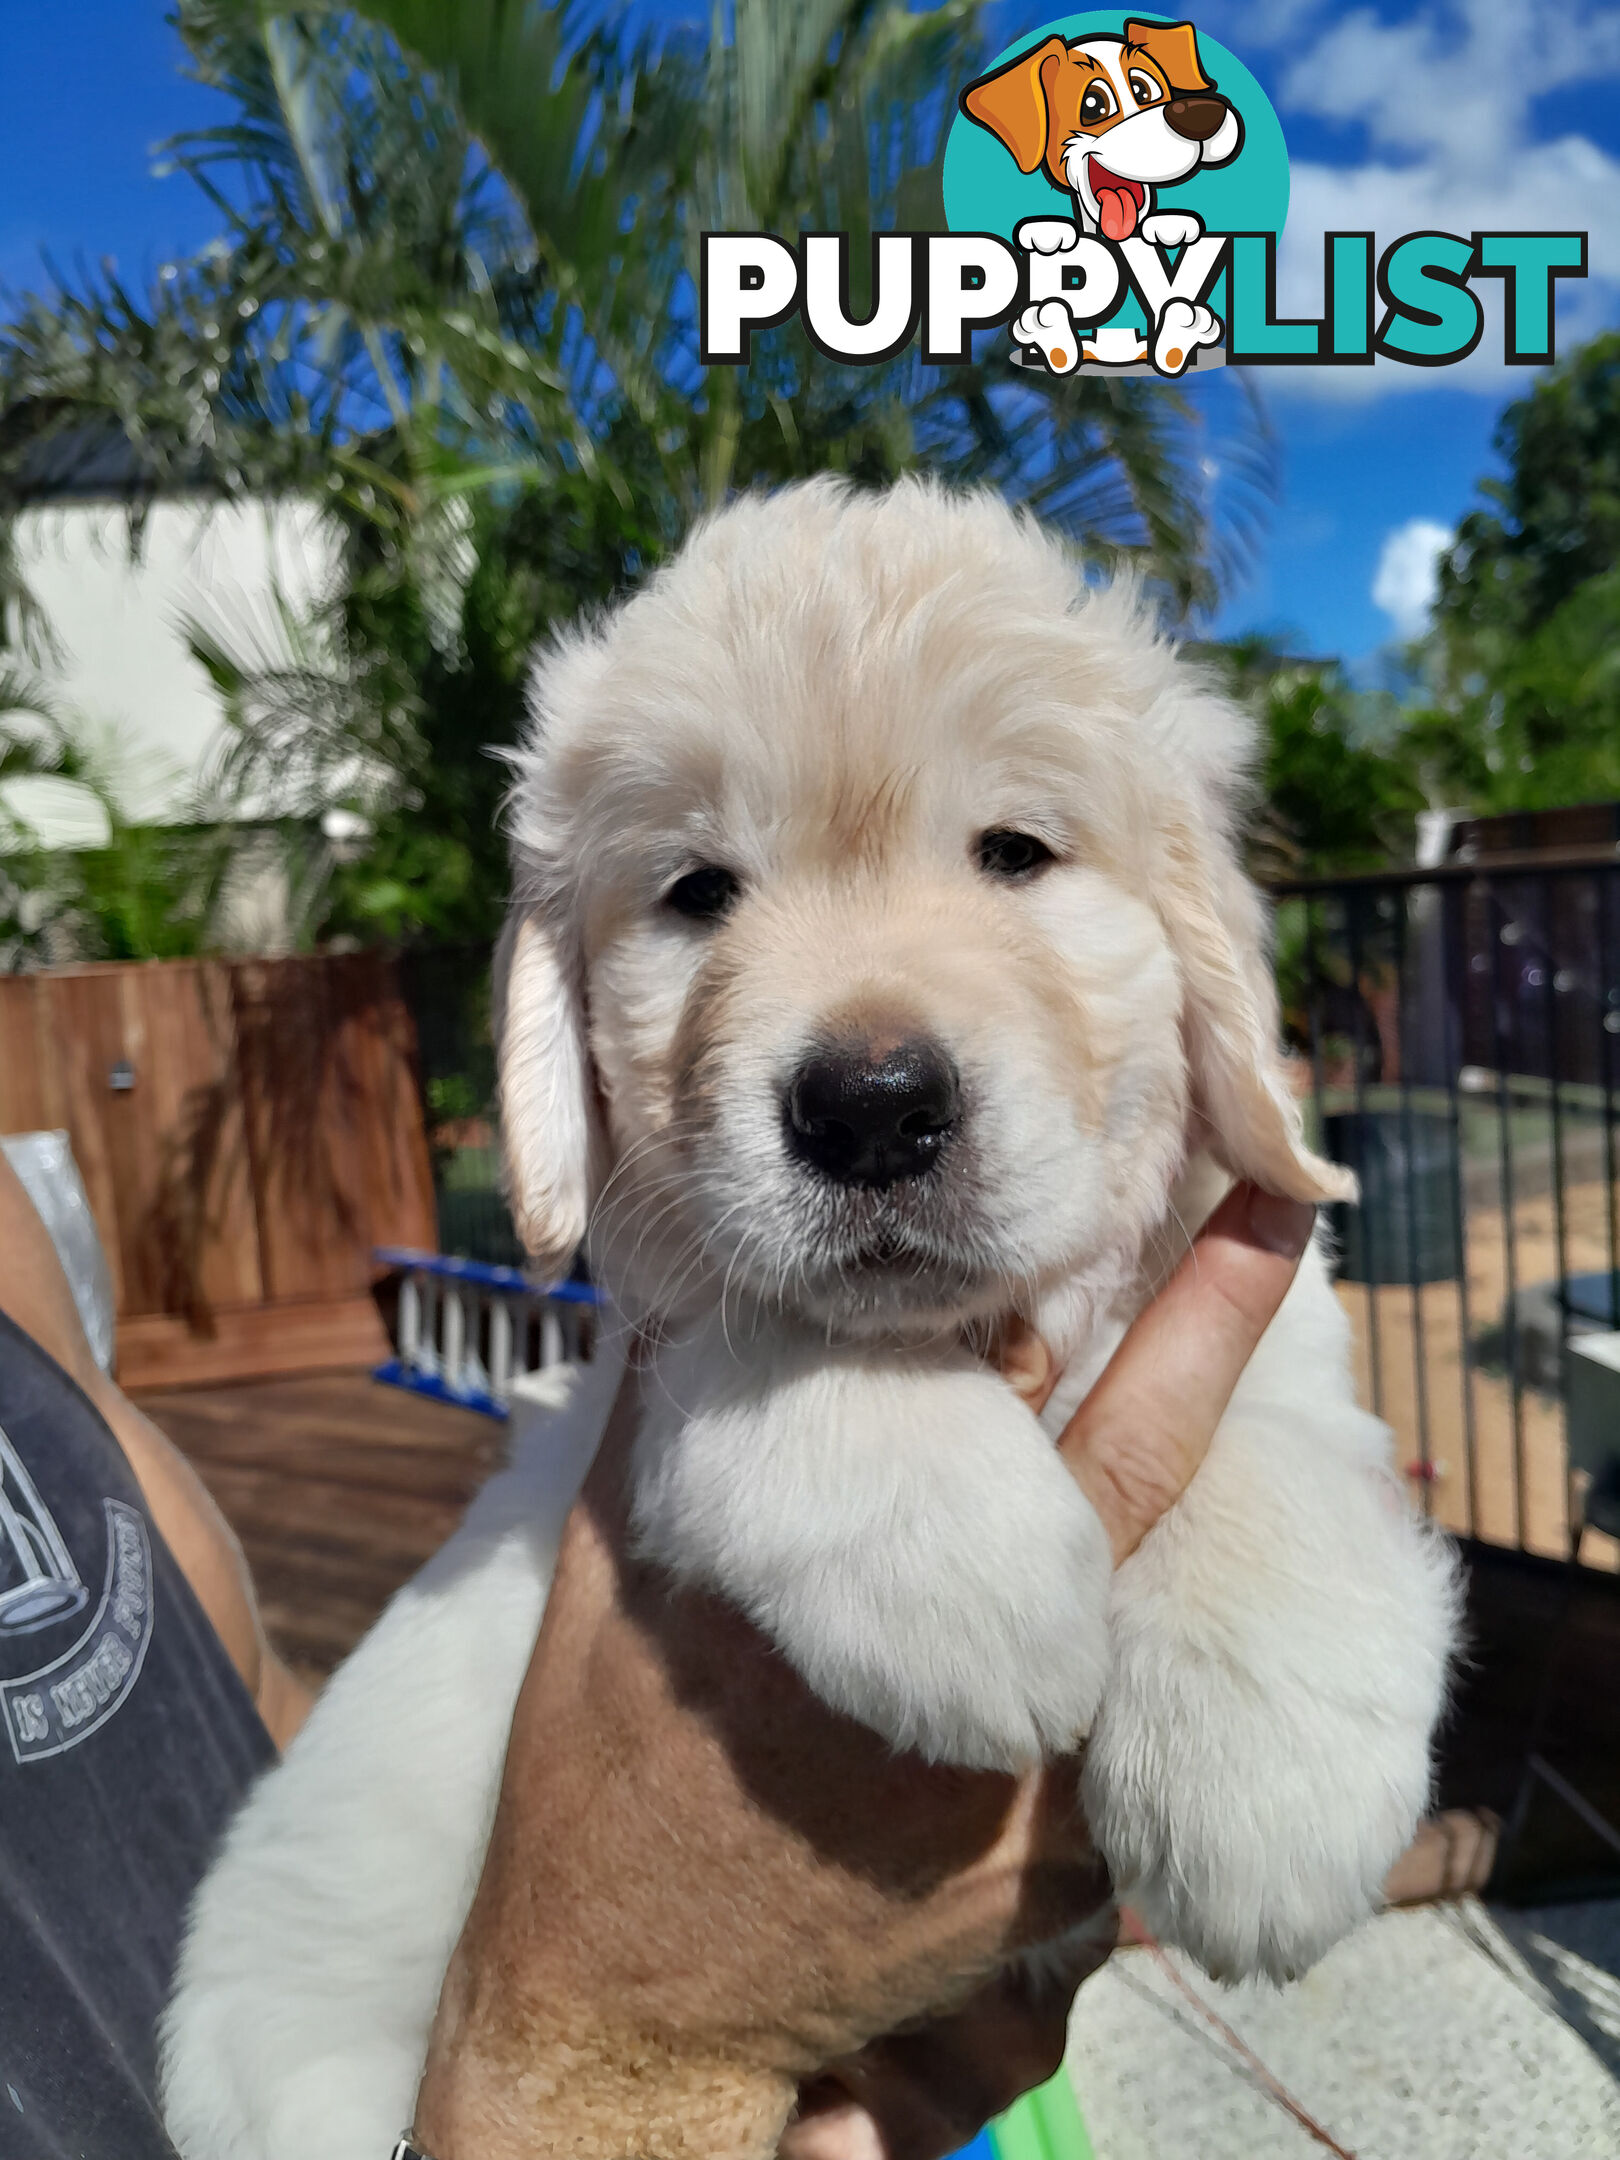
x: 993, y: 178
x: 1120, y: 131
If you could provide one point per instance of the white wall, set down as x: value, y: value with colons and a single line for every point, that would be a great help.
x: 126, y: 672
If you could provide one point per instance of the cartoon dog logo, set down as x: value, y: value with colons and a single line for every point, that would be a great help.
x: 1110, y: 119
x: 1142, y: 97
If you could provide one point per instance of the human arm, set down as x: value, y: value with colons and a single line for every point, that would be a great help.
x: 35, y: 1292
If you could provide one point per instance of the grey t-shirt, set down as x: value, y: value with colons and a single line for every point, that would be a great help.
x: 127, y: 1740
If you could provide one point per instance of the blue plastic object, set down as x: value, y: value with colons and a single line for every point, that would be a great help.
x: 394, y: 1373
x: 479, y: 1275
x: 483, y: 1274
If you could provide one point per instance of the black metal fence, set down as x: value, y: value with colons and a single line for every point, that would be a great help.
x: 1461, y: 1029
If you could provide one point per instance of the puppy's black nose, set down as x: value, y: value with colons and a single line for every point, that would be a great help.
x: 1196, y: 118
x: 869, y: 1119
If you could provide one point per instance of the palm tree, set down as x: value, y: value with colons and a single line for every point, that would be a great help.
x: 455, y: 297
x: 829, y: 115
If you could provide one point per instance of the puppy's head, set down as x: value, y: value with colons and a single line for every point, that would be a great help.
x: 1109, y: 118
x: 878, y: 950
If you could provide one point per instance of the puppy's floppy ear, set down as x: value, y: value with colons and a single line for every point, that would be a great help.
x: 550, y: 1118
x: 1011, y: 103
x: 1230, y: 1016
x: 1173, y: 47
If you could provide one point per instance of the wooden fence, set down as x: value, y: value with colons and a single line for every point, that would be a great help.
x: 247, y: 1132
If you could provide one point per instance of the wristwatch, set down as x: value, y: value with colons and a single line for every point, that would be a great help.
x: 408, y: 2149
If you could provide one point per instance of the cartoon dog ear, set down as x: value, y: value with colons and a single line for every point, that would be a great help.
x: 1173, y: 47
x: 1012, y: 104
x: 1231, y: 1021
x: 550, y: 1118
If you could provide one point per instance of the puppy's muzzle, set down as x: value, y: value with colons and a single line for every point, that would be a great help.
x: 1196, y: 118
x: 863, y: 1117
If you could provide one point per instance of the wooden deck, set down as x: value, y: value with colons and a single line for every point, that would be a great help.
x: 338, y: 1487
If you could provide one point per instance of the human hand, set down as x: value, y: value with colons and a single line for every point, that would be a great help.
x: 703, y: 1888
x: 1134, y: 1444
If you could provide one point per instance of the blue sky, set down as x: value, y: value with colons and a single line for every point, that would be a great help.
x: 1476, y: 113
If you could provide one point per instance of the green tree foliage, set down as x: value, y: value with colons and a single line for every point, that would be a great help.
x: 144, y: 892
x: 1333, y: 784
x: 454, y: 301
x: 1525, y: 653
x: 1555, y: 519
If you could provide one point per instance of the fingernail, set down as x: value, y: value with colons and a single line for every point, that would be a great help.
x: 1280, y: 1226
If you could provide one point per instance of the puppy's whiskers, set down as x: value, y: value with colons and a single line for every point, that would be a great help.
x: 628, y: 1161
x: 693, y: 1254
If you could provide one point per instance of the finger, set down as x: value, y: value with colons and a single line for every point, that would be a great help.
x: 831, y: 2125
x: 875, y: 2109
x: 1136, y: 1440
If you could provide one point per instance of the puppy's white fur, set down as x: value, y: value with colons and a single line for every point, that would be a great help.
x: 897, y: 1525
x: 834, y: 696
x: 316, y: 1945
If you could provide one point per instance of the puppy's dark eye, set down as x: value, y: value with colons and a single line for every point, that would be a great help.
x: 1012, y: 855
x: 1096, y: 105
x: 704, y: 894
x: 1144, y: 89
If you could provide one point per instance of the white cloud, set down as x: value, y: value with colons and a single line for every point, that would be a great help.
x: 1561, y: 186
x: 1450, y: 101
x: 1404, y: 583
x: 1460, y: 82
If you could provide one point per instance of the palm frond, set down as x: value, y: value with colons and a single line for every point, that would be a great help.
x: 454, y: 300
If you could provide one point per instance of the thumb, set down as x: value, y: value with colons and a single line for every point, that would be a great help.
x: 1138, y: 1437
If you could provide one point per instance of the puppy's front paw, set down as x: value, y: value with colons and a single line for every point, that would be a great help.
x: 1250, y: 1839
x: 910, y: 1540
x: 978, y: 1636
x: 973, y: 1640
x: 1261, y: 1758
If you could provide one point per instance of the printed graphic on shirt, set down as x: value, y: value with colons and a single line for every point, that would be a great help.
x: 38, y: 1581
x: 65, y: 1701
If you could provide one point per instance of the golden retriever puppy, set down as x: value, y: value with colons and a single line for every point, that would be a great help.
x: 880, y: 966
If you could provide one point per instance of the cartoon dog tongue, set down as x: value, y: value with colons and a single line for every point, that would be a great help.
x: 1117, y: 201
x: 1116, y: 212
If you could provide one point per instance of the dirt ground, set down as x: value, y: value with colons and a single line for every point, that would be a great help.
x: 1507, y: 1491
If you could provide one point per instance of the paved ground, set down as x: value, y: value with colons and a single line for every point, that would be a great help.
x: 1510, y: 1485
x: 1445, y: 2033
